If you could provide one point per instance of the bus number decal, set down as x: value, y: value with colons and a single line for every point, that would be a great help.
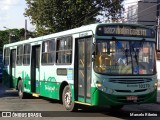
x: 144, y: 85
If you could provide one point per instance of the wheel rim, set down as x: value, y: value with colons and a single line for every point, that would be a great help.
x: 67, y: 99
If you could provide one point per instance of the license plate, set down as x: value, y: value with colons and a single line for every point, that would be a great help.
x: 132, y: 97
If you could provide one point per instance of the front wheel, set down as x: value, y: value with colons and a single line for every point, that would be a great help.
x: 67, y: 99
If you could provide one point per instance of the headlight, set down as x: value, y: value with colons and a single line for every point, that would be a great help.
x: 98, y: 84
x: 156, y: 84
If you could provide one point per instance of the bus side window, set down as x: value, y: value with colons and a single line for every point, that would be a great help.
x: 19, y: 55
x: 48, y: 50
x: 6, y: 56
x: 26, y: 55
x: 64, y: 50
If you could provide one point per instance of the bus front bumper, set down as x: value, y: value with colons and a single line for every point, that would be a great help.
x: 100, y: 98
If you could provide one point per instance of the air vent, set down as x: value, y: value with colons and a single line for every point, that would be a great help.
x: 129, y: 91
x: 130, y: 80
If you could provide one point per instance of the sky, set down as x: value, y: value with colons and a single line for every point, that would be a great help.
x: 11, y: 14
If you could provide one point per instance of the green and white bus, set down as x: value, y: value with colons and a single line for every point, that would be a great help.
x: 97, y: 65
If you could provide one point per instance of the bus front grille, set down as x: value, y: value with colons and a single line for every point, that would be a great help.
x: 130, y: 80
x: 129, y: 91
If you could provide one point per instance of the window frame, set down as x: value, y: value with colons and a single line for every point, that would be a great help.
x: 154, y: 71
x: 21, y: 55
x: 7, y: 56
x: 58, y: 50
x: 25, y: 55
x: 48, y: 52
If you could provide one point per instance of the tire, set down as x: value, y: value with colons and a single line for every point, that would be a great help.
x: 21, y: 94
x: 67, y: 99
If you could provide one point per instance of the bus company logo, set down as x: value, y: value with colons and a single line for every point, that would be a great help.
x: 132, y: 91
x: 21, y: 114
x: 6, y: 114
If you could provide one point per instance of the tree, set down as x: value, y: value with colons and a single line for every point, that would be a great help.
x: 3, y: 39
x: 14, y: 35
x: 57, y: 15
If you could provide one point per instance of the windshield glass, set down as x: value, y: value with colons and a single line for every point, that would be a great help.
x: 125, y: 57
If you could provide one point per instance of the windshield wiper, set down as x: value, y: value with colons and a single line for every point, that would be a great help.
x: 136, y: 55
x: 126, y: 54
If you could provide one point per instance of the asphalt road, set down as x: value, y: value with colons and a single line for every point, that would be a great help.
x: 52, y: 109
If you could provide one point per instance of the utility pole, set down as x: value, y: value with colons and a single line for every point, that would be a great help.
x: 25, y: 29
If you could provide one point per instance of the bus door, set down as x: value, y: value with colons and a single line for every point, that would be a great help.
x: 35, y: 72
x: 83, y: 67
x: 12, y: 68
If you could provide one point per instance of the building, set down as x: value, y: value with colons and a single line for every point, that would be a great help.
x: 132, y: 14
x: 145, y: 12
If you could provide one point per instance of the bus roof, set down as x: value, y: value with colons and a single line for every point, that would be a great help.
x: 58, y: 34
x: 91, y: 27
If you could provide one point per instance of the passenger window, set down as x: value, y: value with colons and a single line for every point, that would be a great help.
x: 19, y: 54
x: 64, y: 50
x: 26, y: 55
x: 6, y: 56
x: 48, y: 51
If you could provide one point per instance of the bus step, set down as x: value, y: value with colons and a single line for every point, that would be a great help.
x: 35, y: 94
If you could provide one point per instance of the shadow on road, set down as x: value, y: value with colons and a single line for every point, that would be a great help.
x: 7, y: 92
x: 122, y: 113
x: 96, y: 112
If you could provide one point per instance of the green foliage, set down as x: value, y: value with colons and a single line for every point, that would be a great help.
x: 57, y: 15
x: 3, y: 39
x: 13, y: 35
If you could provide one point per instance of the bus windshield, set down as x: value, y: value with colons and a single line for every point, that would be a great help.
x: 125, y: 57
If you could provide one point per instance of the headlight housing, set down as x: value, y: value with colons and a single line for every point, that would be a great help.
x: 156, y: 84
x: 98, y: 84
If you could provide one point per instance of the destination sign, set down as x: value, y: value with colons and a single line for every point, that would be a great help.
x: 125, y: 30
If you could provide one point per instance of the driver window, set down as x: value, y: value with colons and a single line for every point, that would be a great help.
x: 105, y: 55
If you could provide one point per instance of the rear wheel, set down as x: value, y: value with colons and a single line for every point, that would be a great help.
x: 67, y: 99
